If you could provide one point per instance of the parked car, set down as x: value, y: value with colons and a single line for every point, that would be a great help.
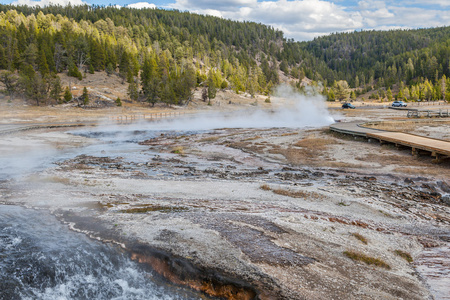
x: 398, y: 104
x: 348, y: 105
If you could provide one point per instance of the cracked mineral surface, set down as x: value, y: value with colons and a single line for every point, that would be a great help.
x: 270, y: 211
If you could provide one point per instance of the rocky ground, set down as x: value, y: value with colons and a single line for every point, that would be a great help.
x: 272, y: 213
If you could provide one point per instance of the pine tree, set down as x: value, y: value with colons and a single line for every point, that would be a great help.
x: 400, y: 95
x: 36, y: 89
x: 109, y: 69
x: 74, y: 72
x: 67, y: 94
x: 9, y: 79
x: 341, y: 90
x: 124, y: 66
x: 331, y: 96
x: 204, y: 94
x: 224, y: 84
x: 150, y: 81
x: 85, y: 96
x: 55, y: 88
x: 43, y: 65
x: 284, y: 67
x: 133, y: 92
x: 389, y: 94
x: 185, y: 84
x: 212, y: 90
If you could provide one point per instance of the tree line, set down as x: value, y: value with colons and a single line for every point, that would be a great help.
x: 163, y: 55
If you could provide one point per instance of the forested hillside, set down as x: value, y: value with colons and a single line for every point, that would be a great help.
x: 163, y: 55
x: 385, y: 58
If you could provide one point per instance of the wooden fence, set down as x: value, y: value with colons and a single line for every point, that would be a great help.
x: 441, y: 113
x: 131, y: 118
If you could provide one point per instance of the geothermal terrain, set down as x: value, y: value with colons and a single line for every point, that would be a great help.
x: 244, y: 205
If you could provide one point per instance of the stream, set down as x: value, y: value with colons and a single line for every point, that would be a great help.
x: 40, y: 258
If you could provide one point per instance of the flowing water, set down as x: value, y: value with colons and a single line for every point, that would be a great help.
x: 42, y: 259
x: 434, y: 265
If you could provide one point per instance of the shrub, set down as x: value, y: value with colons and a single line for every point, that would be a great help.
x: 224, y: 84
x: 74, y: 72
x: 178, y: 150
x: 265, y: 187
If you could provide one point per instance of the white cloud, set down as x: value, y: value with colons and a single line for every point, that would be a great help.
x: 414, y: 17
x: 371, y: 4
x: 443, y: 3
x: 43, y: 3
x: 300, y: 19
x: 400, y: 15
x: 306, y: 19
x: 225, y: 5
x: 140, y: 5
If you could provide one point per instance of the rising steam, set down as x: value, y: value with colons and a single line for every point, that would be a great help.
x: 291, y: 110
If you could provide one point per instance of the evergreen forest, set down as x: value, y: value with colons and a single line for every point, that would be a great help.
x: 164, y: 54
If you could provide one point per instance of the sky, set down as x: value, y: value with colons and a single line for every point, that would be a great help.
x: 302, y: 20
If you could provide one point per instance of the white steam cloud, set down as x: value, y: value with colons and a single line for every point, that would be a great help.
x: 25, y: 161
x: 290, y: 110
x: 294, y: 111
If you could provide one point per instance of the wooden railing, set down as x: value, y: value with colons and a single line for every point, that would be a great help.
x: 441, y: 113
x: 131, y: 118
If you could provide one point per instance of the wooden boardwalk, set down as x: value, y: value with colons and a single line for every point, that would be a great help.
x: 439, y: 149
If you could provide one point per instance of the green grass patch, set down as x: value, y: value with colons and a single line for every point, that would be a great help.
x: 404, y: 255
x: 366, y: 259
x: 178, y: 150
x: 290, y: 193
x: 360, y: 238
x: 145, y: 209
